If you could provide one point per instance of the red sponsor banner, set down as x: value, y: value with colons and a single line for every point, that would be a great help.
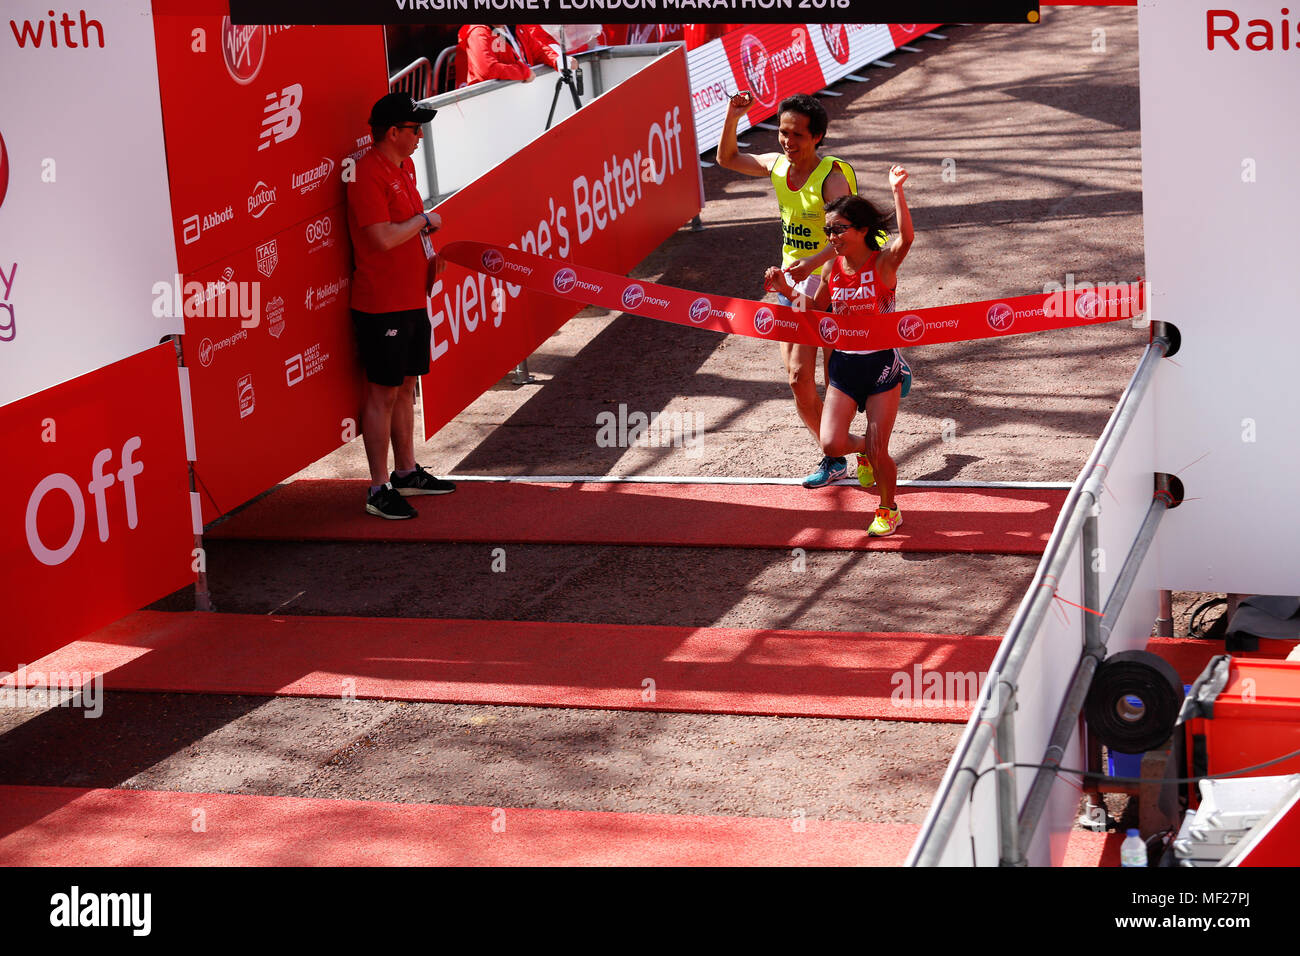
x: 94, y: 503
x: 275, y: 380
x: 259, y: 122
x: 902, y: 32
x: 948, y: 323
x: 603, y: 188
x: 772, y: 61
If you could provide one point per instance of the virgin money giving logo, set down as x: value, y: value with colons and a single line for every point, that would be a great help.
x: 633, y: 296
x: 244, y: 49
x: 829, y: 330
x: 764, y: 320
x: 565, y: 280
x: 699, y: 310
x: 1000, y: 317
x: 757, y: 67
x: 493, y: 261
x: 837, y: 41
x: 4, y: 171
x: 911, y: 328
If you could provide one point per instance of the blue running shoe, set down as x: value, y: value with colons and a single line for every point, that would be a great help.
x: 830, y: 469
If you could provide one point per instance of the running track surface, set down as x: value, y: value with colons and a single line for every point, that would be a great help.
x: 56, y: 826
x: 988, y: 521
x: 702, y: 670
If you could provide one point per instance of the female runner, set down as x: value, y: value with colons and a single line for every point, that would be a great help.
x: 860, y: 284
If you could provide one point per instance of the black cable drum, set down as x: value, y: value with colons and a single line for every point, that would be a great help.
x: 1134, y: 701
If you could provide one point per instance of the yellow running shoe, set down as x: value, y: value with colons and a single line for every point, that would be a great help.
x: 885, y: 522
x: 866, y: 477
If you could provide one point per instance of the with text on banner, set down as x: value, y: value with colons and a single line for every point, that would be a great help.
x: 1084, y: 304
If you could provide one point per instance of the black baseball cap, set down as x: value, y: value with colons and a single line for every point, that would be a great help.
x: 398, y: 108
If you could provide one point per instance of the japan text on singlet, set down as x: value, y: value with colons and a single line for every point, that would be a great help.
x: 856, y: 299
x: 803, y: 211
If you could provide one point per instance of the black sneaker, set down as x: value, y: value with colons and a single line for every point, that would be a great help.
x: 387, y: 503
x: 420, y: 482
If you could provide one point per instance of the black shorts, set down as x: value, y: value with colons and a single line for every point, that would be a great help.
x: 861, y: 376
x: 393, y: 345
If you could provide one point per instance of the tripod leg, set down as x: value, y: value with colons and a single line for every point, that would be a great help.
x: 555, y: 101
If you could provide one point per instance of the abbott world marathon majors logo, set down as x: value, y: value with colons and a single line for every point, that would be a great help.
x: 244, y: 49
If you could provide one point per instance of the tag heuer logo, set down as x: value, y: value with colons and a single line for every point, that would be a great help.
x: 268, y: 257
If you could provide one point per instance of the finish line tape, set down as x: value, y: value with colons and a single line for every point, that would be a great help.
x: 964, y: 322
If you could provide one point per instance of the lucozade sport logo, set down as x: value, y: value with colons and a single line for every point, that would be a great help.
x: 244, y: 49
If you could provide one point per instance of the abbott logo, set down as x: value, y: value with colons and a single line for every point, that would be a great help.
x: 911, y: 328
x: 243, y: 49
x: 829, y: 330
x: 493, y: 261
x: 565, y: 280
x: 764, y: 320
x: 1000, y: 317
x: 633, y: 296
x: 293, y: 370
x: 97, y: 488
x: 699, y: 310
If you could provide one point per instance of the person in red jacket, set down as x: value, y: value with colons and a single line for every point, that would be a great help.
x: 541, y: 48
x: 491, y: 53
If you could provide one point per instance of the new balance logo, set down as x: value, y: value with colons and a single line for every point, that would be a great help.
x: 282, y: 116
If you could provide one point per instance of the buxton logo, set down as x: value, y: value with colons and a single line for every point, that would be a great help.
x: 699, y: 310
x: 911, y: 328
x: 4, y: 170
x: 262, y: 199
x: 757, y: 67
x: 1000, y: 317
x: 764, y: 320
x: 1086, y: 306
x: 829, y: 330
x: 493, y: 261
x: 244, y: 48
x: 837, y: 41
x: 633, y: 296
x: 565, y: 280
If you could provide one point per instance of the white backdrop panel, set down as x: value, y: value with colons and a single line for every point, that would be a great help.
x: 1221, y: 254
x: 85, y: 223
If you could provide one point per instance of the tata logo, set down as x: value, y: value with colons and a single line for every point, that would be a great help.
x: 4, y: 171
x: 493, y: 261
x: 911, y: 328
x: 829, y: 330
x: 1000, y: 317
x: 837, y: 41
x: 633, y: 296
x: 565, y: 280
x: 244, y: 49
x: 764, y: 320
x: 1086, y: 306
x: 699, y: 310
x: 757, y: 67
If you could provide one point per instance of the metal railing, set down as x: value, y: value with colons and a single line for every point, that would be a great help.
x: 993, y: 723
x: 416, y: 78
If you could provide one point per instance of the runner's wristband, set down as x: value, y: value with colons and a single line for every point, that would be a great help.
x: 427, y: 224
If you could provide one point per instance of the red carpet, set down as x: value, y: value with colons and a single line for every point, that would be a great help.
x: 1086, y: 848
x: 992, y: 521
x: 53, y: 826
x: 702, y: 670
x: 1190, y: 656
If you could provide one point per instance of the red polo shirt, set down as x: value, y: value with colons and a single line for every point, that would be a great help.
x: 394, y: 280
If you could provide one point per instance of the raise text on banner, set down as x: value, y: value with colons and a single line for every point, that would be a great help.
x: 603, y: 188
x: 94, y: 503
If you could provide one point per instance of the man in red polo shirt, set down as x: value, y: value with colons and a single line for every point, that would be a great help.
x: 394, y: 264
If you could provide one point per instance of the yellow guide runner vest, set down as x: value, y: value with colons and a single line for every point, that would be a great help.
x: 803, y: 212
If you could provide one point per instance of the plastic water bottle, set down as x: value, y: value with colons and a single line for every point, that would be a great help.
x: 1133, y: 852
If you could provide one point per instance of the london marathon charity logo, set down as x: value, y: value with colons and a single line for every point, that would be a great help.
x: 244, y: 49
x: 633, y: 296
x: 911, y: 328
x: 493, y: 261
x: 757, y: 67
x: 699, y: 310
x: 1000, y: 317
x: 565, y: 280
x: 837, y: 41
x: 764, y: 320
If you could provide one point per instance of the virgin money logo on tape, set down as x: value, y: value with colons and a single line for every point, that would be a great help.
x: 244, y: 49
x: 262, y: 199
x: 758, y: 70
x: 633, y: 296
x: 268, y: 257
x: 1086, y: 306
x: 829, y: 330
x: 565, y: 280
x: 764, y: 320
x: 493, y: 261
x: 911, y: 328
x: 4, y: 170
x: 837, y: 41
x: 699, y: 310
x: 1000, y: 317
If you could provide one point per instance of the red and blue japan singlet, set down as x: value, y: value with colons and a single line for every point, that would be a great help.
x: 856, y: 299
